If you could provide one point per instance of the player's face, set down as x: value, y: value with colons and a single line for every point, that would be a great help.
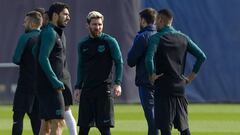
x: 26, y: 24
x: 63, y: 18
x: 95, y: 27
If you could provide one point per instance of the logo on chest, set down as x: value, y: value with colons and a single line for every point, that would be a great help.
x: 101, y: 48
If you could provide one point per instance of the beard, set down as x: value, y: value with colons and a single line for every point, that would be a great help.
x: 94, y: 32
x: 61, y: 23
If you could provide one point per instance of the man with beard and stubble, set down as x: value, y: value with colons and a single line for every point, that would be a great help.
x: 68, y: 116
x: 95, y: 86
x: 136, y: 57
x: 53, y: 78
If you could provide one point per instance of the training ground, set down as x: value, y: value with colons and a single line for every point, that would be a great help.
x: 205, y: 119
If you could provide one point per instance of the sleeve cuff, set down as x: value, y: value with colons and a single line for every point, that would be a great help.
x: 118, y: 82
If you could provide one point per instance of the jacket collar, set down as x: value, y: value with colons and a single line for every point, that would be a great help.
x: 148, y: 28
x: 57, y: 29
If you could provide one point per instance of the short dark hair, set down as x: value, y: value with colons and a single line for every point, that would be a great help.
x: 35, y: 17
x: 56, y: 8
x: 149, y: 14
x: 167, y: 13
x: 40, y: 10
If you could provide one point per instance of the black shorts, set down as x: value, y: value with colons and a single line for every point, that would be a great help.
x: 23, y: 101
x: 169, y: 111
x: 51, y: 105
x: 97, y: 110
x: 67, y: 95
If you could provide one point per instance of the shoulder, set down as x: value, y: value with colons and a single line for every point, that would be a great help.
x: 156, y: 36
x: 25, y: 37
x: 48, y: 31
x: 182, y: 34
x: 109, y: 39
x: 141, y: 35
x: 33, y: 34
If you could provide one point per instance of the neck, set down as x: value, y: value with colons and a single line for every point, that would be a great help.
x: 149, y: 24
x: 168, y: 25
x: 35, y: 28
x: 54, y: 23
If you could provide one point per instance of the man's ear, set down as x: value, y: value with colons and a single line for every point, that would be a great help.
x: 31, y: 25
x: 55, y: 16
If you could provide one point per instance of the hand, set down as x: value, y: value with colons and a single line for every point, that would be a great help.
x: 76, y: 95
x: 154, y: 77
x: 190, y: 77
x: 117, y: 90
x: 60, y: 90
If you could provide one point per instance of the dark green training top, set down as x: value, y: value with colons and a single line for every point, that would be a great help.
x: 167, y: 54
x: 95, y: 60
x: 24, y: 58
x: 52, y: 72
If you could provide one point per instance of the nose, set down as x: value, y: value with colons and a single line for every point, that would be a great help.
x: 98, y: 26
x: 68, y: 17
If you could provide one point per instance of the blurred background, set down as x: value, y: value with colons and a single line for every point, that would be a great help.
x: 212, y: 24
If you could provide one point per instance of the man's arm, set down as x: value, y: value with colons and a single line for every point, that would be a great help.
x: 78, y: 85
x: 47, y: 43
x: 193, y: 49
x: 149, y: 59
x: 138, y: 50
x: 118, y: 61
x: 117, y: 58
x: 20, y: 49
x: 79, y: 69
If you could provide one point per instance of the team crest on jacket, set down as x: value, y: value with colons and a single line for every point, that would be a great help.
x: 101, y: 48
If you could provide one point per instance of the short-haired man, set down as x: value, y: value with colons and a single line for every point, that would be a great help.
x: 53, y: 77
x: 44, y: 15
x: 96, y: 54
x: 25, y: 97
x: 165, y: 61
x: 136, y: 57
x: 68, y: 116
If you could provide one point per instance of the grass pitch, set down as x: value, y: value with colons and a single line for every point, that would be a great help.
x: 204, y: 119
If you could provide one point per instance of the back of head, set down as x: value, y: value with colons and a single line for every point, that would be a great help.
x: 35, y: 17
x: 56, y: 8
x: 40, y: 10
x: 94, y: 15
x: 149, y: 15
x: 166, y: 15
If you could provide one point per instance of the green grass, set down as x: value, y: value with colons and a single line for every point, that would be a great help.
x: 204, y: 119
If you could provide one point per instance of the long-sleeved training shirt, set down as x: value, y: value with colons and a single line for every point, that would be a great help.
x: 167, y: 54
x: 24, y: 58
x: 52, y: 72
x: 95, y: 60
